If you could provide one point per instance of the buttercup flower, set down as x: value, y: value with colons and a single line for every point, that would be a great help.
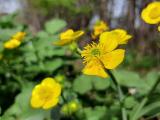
x: 119, y: 35
x: 98, y: 28
x: 151, y: 14
x: 103, y: 55
x: 46, y: 94
x: 19, y: 36
x: 68, y: 37
x: 11, y: 44
x: 15, y: 41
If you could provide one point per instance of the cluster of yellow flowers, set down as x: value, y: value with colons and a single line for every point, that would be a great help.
x: 15, y: 41
x: 98, y: 57
x: 151, y: 14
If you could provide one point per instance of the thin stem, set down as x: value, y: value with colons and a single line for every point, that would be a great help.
x: 154, y: 87
x: 79, y: 51
x: 120, y: 93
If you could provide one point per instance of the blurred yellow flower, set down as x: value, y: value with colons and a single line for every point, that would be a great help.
x: 15, y: 41
x: 46, y: 94
x: 119, y: 35
x: 11, y: 44
x: 98, y: 28
x: 69, y: 36
x: 151, y: 14
x: 97, y: 57
x: 159, y: 28
x: 19, y: 35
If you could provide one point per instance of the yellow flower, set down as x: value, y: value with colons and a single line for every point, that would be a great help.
x: 46, y: 94
x: 11, y: 44
x: 151, y: 14
x: 19, y: 36
x: 97, y: 57
x: 68, y: 37
x: 98, y: 28
x: 15, y: 41
x: 119, y: 35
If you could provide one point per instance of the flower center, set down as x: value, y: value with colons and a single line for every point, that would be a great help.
x: 95, y: 52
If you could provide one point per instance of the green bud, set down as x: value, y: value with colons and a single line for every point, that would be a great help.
x: 73, y: 106
x: 59, y: 78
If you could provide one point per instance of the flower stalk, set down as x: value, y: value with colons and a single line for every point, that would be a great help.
x: 120, y: 93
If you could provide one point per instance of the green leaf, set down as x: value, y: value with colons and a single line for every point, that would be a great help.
x: 45, y: 48
x: 151, y: 109
x: 82, y: 84
x: 128, y: 78
x: 55, y: 25
x: 98, y: 113
x: 130, y: 102
x: 6, y: 34
x: 100, y: 83
x: 132, y: 80
x: 134, y: 114
x: 30, y: 57
x: 42, y: 34
x: 53, y: 65
x: 150, y: 79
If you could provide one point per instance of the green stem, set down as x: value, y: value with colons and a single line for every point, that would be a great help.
x: 120, y: 93
x: 79, y: 51
x: 136, y: 114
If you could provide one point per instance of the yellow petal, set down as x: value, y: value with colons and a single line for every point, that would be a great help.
x: 19, y: 35
x: 52, y: 84
x: 36, y: 101
x: 125, y: 39
x: 94, y: 67
x: 122, y: 36
x: 77, y: 34
x: 67, y: 34
x: 48, y: 81
x: 63, y: 42
x: 11, y: 44
x: 109, y: 40
x: 50, y: 103
x: 112, y: 59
